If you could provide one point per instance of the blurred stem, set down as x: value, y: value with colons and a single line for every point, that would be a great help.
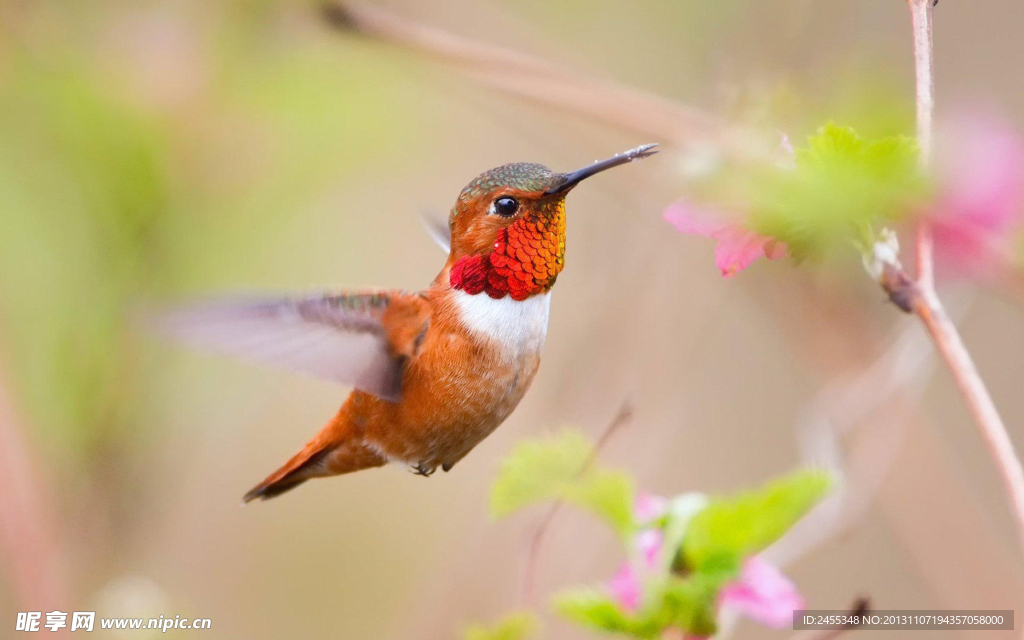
x: 926, y: 304
x: 623, y: 416
x: 880, y: 398
x: 921, y: 19
x: 954, y: 353
x: 27, y: 537
x: 554, y: 85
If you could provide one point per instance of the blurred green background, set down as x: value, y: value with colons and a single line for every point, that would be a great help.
x: 153, y: 151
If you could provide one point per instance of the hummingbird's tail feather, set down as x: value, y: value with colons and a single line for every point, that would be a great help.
x: 292, y: 474
x: 331, y: 452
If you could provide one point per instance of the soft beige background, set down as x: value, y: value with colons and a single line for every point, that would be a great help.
x: 289, y: 157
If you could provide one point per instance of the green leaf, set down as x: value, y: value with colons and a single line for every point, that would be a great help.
x: 592, y: 608
x: 692, y: 604
x: 842, y: 187
x: 515, y: 626
x: 832, y: 144
x: 681, y: 511
x: 562, y: 468
x: 608, y: 494
x: 729, y: 529
x: 689, y: 604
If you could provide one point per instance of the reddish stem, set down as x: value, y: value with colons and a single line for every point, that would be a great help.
x: 29, y: 544
x: 926, y: 304
x: 921, y: 19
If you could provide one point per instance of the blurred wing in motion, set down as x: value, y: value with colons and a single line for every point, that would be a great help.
x: 439, y: 231
x: 338, y: 337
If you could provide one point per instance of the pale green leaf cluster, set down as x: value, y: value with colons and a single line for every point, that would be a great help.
x: 729, y: 529
x: 561, y: 468
x: 682, y: 603
x: 704, y: 540
x: 842, y: 187
x: 593, y: 608
x: 515, y: 626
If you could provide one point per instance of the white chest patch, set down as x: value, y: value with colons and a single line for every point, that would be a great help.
x: 520, y: 326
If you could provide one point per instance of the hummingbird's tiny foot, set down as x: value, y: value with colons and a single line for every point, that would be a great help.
x: 422, y: 469
x: 446, y: 467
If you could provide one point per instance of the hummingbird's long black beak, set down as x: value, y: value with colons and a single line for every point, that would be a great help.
x: 574, y: 178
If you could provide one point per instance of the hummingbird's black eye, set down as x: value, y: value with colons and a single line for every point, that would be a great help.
x: 506, y: 206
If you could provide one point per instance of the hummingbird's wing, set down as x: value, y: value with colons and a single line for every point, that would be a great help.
x: 351, y: 338
x: 439, y: 230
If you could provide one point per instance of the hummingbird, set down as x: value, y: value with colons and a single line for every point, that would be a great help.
x: 433, y: 372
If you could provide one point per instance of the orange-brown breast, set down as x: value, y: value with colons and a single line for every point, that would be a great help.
x: 471, y: 367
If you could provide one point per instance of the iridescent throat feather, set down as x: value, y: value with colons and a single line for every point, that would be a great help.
x: 525, y: 260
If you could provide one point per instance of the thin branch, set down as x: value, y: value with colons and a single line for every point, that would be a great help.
x: 980, y: 403
x: 925, y: 302
x: 622, y: 417
x: 921, y: 19
x: 884, y: 390
x: 915, y: 298
x: 925, y: 252
x: 557, y: 86
x: 29, y: 543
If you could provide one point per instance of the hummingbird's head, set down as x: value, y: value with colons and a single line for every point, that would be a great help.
x: 508, y: 227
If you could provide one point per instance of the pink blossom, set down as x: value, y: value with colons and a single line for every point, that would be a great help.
x: 763, y: 594
x: 649, y: 507
x: 625, y: 589
x: 981, y: 199
x: 737, y: 246
x: 648, y: 544
x: 625, y: 586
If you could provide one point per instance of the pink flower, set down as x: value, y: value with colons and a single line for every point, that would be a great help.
x: 625, y: 586
x: 649, y: 507
x: 763, y: 594
x: 625, y: 589
x: 981, y: 199
x: 737, y: 246
x: 648, y: 544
